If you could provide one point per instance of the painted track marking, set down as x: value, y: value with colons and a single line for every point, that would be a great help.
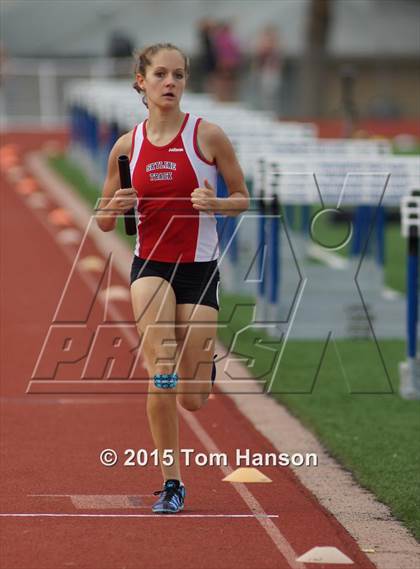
x: 62, y: 515
x: 274, y: 533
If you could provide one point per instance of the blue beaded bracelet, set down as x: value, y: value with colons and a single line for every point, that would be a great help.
x: 165, y: 380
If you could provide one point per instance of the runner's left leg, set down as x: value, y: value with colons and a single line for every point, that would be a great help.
x: 195, y: 330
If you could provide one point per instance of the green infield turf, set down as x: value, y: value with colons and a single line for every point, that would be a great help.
x: 350, y: 401
x: 328, y: 233
x: 348, y: 398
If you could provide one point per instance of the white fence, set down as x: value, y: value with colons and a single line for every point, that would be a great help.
x: 32, y: 91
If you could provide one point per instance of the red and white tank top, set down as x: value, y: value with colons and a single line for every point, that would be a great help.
x: 169, y: 229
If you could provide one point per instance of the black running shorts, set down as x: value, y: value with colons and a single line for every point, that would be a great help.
x: 193, y: 283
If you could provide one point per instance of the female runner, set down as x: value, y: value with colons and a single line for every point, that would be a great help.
x: 174, y: 159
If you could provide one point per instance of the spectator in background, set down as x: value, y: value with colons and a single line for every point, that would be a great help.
x: 120, y: 45
x: 206, y: 29
x: 120, y: 48
x: 228, y: 62
x: 267, y: 65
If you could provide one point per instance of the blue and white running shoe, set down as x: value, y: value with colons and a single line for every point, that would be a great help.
x: 171, y: 498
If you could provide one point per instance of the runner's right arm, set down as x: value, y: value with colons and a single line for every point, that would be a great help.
x: 115, y: 201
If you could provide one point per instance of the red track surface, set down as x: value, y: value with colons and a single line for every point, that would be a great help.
x: 51, y: 444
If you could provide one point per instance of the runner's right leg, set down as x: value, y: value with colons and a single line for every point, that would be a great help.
x: 154, y: 307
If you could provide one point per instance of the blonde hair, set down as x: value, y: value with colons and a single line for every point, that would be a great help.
x: 143, y: 61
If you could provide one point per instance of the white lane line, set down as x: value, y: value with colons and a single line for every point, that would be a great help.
x: 278, y: 539
x: 99, y: 495
x: 272, y: 530
x: 177, y: 516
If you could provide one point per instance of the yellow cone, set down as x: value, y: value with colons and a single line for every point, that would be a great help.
x: 60, y: 217
x: 115, y: 293
x: 325, y: 555
x: 69, y: 236
x: 246, y: 475
x: 37, y: 200
x: 26, y: 186
x: 15, y: 173
x: 92, y: 263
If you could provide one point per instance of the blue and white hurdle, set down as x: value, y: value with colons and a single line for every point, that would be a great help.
x: 410, y: 226
x: 259, y: 260
x: 372, y: 182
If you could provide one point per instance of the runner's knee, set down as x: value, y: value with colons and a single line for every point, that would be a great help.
x: 191, y: 403
x: 159, y: 353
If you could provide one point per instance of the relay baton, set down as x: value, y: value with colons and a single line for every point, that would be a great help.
x: 125, y: 182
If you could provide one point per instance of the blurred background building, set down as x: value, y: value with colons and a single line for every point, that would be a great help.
x: 290, y: 56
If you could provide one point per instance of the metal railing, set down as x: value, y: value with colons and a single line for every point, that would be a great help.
x: 32, y: 90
